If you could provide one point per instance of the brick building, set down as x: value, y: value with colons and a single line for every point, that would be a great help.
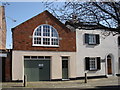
x: 43, y: 49
x: 5, y: 54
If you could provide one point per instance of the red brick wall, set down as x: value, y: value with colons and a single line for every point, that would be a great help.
x: 8, y: 66
x: 22, y: 34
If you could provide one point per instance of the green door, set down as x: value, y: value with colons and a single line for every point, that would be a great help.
x: 37, y: 70
x: 64, y: 68
x: 44, y: 71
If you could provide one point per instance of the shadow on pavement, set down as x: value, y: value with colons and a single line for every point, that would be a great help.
x: 117, y: 87
x: 17, y: 86
x: 45, y: 89
x: 97, y: 88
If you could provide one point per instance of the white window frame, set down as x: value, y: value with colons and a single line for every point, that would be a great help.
x: 92, y: 39
x: 42, y: 37
x: 95, y: 63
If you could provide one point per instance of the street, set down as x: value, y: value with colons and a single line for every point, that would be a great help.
x: 101, y: 83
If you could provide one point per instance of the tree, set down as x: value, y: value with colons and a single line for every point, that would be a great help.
x: 79, y: 14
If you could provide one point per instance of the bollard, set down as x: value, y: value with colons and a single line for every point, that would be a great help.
x: 85, y: 77
x: 25, y: 81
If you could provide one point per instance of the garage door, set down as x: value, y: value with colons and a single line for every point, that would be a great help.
x: 37, y: 69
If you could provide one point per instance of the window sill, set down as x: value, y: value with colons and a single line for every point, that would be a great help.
x: 94, y: 70
x: 92, y: 44
x: 45, y: 46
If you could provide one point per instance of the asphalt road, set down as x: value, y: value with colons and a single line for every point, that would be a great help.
x: 111, y: 83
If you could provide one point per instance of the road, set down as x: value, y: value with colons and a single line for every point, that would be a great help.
x: 101, y: 83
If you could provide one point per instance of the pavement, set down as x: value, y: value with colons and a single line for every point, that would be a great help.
x: 100, y: 83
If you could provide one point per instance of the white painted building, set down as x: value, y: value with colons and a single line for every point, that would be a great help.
x: 92, y: 44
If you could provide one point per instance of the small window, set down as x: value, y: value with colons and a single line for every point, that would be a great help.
x: 118, y: 40
x: 41, y: 57
x: 92, y: 63
x: 45, y: 35
x: 92, y: 39
x: 33, y: 57
x: 65, y: 58
x: 119, y: 63
x: 26, y: 57
x: 37, y: 57
x: 64, y: 62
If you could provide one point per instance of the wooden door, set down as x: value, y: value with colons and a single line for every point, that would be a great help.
x: 109, y: 66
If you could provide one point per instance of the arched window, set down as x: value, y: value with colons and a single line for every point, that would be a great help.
x: 45, y: 35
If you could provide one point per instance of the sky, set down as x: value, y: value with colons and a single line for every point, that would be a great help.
x: 20, y: 11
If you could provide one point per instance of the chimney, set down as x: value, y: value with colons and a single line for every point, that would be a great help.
x: 2, y: 28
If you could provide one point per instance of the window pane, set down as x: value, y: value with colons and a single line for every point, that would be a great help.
x: 93, y: 64
x: 41, y: 57
x: 26, y: 57
x: 44, y: 57
x: 54, y: 33
x: 92, y: 39
x: 37, y: 40
x: 38, y: 31
x: 64, y: 63
x: 54, y: 41
x: 46, y: 41
x: 33, y: 57
x: 47, y: 57
x: 46, y: 30
x: 64, y: 58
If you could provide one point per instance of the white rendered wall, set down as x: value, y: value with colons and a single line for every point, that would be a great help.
x: 108, y: 45
x: 55, y: 67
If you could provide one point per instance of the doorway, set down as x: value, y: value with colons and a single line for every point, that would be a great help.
x: 37, y: 69
x: 109, y: 65
x: 64, y: 67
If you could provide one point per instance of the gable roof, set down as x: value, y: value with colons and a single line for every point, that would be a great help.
x: 49, y: 15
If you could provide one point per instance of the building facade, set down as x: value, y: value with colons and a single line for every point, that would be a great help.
x: 45, y: 49
x: 97, y: 54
